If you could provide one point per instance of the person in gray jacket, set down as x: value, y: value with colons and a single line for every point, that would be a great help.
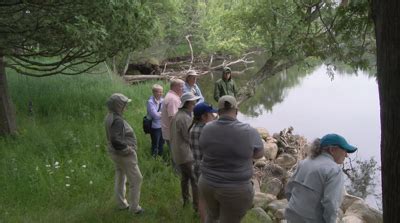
x: 315, y: 191
x: 122, y: 149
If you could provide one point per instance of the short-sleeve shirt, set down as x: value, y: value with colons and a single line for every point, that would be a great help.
x: 168, y: 110
x: 228, y: 146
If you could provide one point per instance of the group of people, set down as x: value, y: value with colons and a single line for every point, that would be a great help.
x: 213, y: 154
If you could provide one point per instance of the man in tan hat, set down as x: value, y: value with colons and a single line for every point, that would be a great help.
x: 192, y: 86
x: 228, y: 147
x: 181, y: 153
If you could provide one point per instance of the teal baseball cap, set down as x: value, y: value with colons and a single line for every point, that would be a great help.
x: 337, y: 140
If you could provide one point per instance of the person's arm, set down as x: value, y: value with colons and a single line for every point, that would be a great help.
x: 216, y: 91
x: 117, y: 134
x: 152, y: 110
x: 234, y: 88
x: 199, y: 94
x: 258, y: 145
x: 332, y: 196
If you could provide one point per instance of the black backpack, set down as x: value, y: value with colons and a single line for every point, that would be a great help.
x: 147, y: 122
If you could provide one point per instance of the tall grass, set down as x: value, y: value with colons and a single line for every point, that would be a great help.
x: 57, y: 169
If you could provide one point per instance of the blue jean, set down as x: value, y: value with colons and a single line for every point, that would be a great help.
x: 157, y: 142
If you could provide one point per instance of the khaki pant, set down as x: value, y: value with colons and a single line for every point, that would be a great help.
x: 126, y: 168
x: 226, y: 204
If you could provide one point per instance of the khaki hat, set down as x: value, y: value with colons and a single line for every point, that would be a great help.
x: 189, y: 96
x: 227, y: 102
x: 191, y: 73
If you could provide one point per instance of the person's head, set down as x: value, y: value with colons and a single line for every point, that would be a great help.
x: 226, y: 73
x: 227, y: 105
x: 117, y: 103
x: 188, y: 101
x: 157, y: 91
x: 176, y: 85
x: 334, y: 144
x: 191, y: 77
x: 204, y: 112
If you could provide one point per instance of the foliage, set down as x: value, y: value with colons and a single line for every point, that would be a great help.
x: 42, y: 38
x: 362, y: 176
x: 57, y: 169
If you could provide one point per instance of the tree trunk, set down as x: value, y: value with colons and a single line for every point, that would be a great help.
x: 387, y: 29
x: 7, y: 115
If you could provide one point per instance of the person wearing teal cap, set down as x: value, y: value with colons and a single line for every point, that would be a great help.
x: 315, y: 191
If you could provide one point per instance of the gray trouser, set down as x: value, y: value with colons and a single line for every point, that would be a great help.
x: 226, y: 204
x: 126, y: 168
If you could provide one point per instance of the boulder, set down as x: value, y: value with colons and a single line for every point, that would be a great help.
x: 272, y: 186
x: 270, y: 150
x: 263, y: 133
x: 276, y: 205
x: 272, y: 170
x: 286, y: 161
x: 260, y: 163
x: 280, y: 213
x: 262, y: 200
x: 260, y: 215
x: 348, y: 200
x: 352, y: 219
x: 361, y: 210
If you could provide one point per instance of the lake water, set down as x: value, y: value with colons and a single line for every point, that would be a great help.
x: 315, y: 105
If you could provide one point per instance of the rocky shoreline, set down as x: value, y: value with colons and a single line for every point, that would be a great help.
x: 282, y: 152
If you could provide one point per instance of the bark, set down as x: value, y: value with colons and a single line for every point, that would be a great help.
x: 7, y: 113
x: 387, y: 29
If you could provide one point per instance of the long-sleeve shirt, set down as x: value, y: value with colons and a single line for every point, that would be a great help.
x: 195, y: 90
x: 154, y: 111
x: 315, y: 191
x: 224, y: 87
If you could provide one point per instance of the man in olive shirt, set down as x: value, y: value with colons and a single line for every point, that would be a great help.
x: 228, y: 147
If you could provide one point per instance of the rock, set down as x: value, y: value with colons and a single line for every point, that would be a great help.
x: 361, y: 210
x: 280, y: 213
x: 263, y: 133
x: 286, y: 161
x: 272, y: 170
x: 270, y: 150
x: 277, y: 204
x: 352, y: 219
x: 259, y: 214
x: 272, y: 186
x: 262, y: 200
x: 348, y: 200
x: 260, y: 163
x: 256, y: 185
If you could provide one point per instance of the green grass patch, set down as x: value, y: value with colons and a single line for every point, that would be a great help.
x: 56, y: 169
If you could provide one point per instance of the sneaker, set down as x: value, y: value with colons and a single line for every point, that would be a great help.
x: 140, y: 211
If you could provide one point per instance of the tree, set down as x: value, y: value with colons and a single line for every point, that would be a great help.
x: 42, y: 38
x: 387, y: 29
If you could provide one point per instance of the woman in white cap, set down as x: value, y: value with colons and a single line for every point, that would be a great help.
x: 181, y: 153
x: 191, y: 85
x: 122, y: 148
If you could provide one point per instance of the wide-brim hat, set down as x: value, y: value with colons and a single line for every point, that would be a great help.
x: 337, y: 140
x: 189, y: 96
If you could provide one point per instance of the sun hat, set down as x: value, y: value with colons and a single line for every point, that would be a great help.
x: 188, y: 96
x: 337, y: 140
x: 227, y: 101
x: 202, y: 108
x: 191, y: 73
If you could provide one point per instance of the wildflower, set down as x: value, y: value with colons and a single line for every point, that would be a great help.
x: 67, y: 177
x: 57, y: 167
x: 90, y: 182
x: 97, y: 146
x: 83, y: 166
x: 37, y: 168
x: 72, y: 171
x: 48, y: 165
x: 56, y: 163
x: 67, y: 185
x: 69, y: 161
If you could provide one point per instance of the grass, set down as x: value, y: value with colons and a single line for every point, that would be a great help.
x: 56, y: 169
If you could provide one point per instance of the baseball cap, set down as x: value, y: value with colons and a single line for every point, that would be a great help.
x: 188, y: 96
x: 202, y: 108
x: 337, y: 140
x: 191, y: 73
x: 227, y: 99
